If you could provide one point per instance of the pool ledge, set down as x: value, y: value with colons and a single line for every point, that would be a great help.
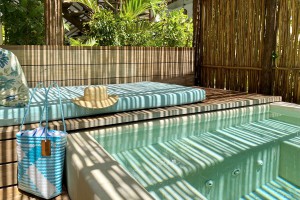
x: 288, y: 109
x: 93, y: 174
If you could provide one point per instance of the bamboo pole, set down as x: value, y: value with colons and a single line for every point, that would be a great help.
x: 53, y: 22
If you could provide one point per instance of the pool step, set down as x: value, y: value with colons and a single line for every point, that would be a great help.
x: 277, y: 189
x: 141, y: 134
x: 195, y: 157
x: 179, y: 189
x: 188, y: 155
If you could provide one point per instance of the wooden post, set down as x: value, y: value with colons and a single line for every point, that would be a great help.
x: 197, y: 39
x: 53, y: 22
x: 269, y: 46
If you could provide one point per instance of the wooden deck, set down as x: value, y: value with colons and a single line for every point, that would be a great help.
x: 13, y: 193
x: 216, y: 100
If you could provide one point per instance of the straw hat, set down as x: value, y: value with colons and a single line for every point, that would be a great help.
x: 96, y: 97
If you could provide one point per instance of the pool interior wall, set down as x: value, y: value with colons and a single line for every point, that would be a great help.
x: 220, y: 155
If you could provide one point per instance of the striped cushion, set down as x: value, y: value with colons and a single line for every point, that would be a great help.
x: 132, y: 96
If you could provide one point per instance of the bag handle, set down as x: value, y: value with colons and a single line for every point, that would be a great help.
x: 45, y: 107
x: 54, y: 84
x: 39, y: 85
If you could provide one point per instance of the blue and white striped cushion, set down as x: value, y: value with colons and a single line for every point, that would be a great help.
x: 132, y: 96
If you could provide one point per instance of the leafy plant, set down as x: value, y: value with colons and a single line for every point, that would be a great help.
x: 23, y: 21
x: 175, y: 29
x: 103, y: 27
x: 66, y: 26
x: 112, y: 30
x: 132, y: 9
x: 134, y: 32
x: 80, y: 42
x: 128, y: 28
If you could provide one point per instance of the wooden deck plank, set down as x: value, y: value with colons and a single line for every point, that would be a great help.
x: 8, y: 151
x: 8, y: 174
x: 13, y: 193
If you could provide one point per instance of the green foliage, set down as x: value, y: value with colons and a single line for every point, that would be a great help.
x: 103, y: 27
x: 134, y: 32
x: 126, y: 28
x: 66, y: 26
x: 175, y: 29
x: 81, y: 42
x: 131, y: 9
x: 23, y: 21
x: 109, y: 29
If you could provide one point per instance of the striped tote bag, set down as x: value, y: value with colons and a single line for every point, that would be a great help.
x: 41, y: 154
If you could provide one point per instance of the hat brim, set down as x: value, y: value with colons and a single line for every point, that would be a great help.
x: 112, y: 99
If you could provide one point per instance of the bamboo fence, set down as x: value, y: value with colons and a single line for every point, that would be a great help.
x: 236, y: 43
x: 105, y: 65
x: 88, y: 66
x: 287, y: 71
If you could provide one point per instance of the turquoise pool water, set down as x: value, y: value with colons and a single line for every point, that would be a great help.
x: 246, y: 153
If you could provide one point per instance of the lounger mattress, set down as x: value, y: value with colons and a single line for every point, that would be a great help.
x: 132, y: 96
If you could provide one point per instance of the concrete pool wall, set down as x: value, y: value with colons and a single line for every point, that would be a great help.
x: 93, y: 174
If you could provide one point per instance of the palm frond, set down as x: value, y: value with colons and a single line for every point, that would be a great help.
x: 133, y: 8
x: 77, y: 42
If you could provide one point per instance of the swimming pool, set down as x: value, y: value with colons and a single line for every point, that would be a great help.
x: 245, y: 153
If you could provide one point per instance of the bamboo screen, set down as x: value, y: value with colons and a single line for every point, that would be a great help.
x: 236, y: 42
x: 231, y: 39
x: 105, y: 65
x: 287, y: 71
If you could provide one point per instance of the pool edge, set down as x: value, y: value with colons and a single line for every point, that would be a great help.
x: 285, y: 108
x: 93, y: 174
